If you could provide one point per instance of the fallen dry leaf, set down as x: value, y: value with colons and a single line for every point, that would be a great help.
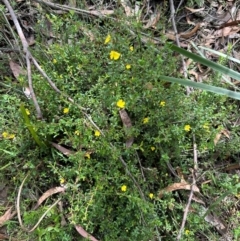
x: 6, y: 216
x: 216, y: 222
x: 62, y: 149
x: 194, y: 10
x: 125, y: 118
x: 128, y: 124
x: 224, y: 132
x: 217, y: 138
x: 31, y: 40
x: 178, y: 186
x: 128, y: 10
x: 191, y: 32
x: 84, y: 233
x: 16, y: 69
x: 152, y: 22
x: 47, y: 194
x: 27, y: 92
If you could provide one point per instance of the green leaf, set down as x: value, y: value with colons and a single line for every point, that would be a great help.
x: 221, y: 54
x: 219, y: 68
x: 30, y: 126
x: 216, y: 90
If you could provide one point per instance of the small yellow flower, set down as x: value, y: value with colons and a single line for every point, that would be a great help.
x: 11, y: 136
x: 121, y: 104
x: 27, y: 111
x: 162, y: 103
x: 114, y: 55
x: 97, y: 133
x: 87, y: 155
x: 124, y: 188
x: 6, y: 135
x: 145, y: 120
x: 153, y: 148
x: 187, y: 232
x: 54, y: 61
x: 131, y: 48
x: 206, y: 127
x: 151, y: 195
x: 65, y: 110
x: 108, y: 39
x: 77, y: 133
x: 128, y: 66
x: 187, y: 127
x: 62, y: 181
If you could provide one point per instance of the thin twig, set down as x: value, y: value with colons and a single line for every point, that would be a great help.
x: 27, y: 56
x: 177, y: 41
x: 69, y: 8
x: 141, y: 167
x: 191, y: 192
x: 195, y: 154
x: 19, y: 211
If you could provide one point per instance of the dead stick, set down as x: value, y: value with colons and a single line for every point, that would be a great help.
x: 177, y: 41
x: 28, y: 56
x: 191, y: 193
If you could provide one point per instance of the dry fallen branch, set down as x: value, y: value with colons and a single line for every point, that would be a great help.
x: 28, y: 56
x: 19, y: 211
x: 97, y: 13
x: 177, y: 41
x: 192, y: 190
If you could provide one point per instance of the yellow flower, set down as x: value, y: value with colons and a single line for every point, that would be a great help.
x: 145, y: 120
x: 187, y: 127
x: 77, y: 133
x: 87, y: 154
x: 97, y: 133
x: 128, y: 66
x: 187, y: 232
x: 206, y: 127
x: 114, y: 55
x: 65, y: 110
x: 6, y: 135
x: 121, y: 104
x: 62, y: 181
x: 153, y: 148
x: 151, y: 195
x: 11, y: 136
x: 54, y: 61
x: 124, y: 188
x: 131, y: 48
x: 108, y: 39
x: 162, y: 103
x: 27, y: 111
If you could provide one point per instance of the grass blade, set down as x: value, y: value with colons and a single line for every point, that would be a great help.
x: 30, y: 126
x: 217, y: 67
x: 221, y: 54
x: 216, y: 90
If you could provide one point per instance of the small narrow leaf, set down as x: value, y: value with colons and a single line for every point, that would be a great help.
x: 30, y: 126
